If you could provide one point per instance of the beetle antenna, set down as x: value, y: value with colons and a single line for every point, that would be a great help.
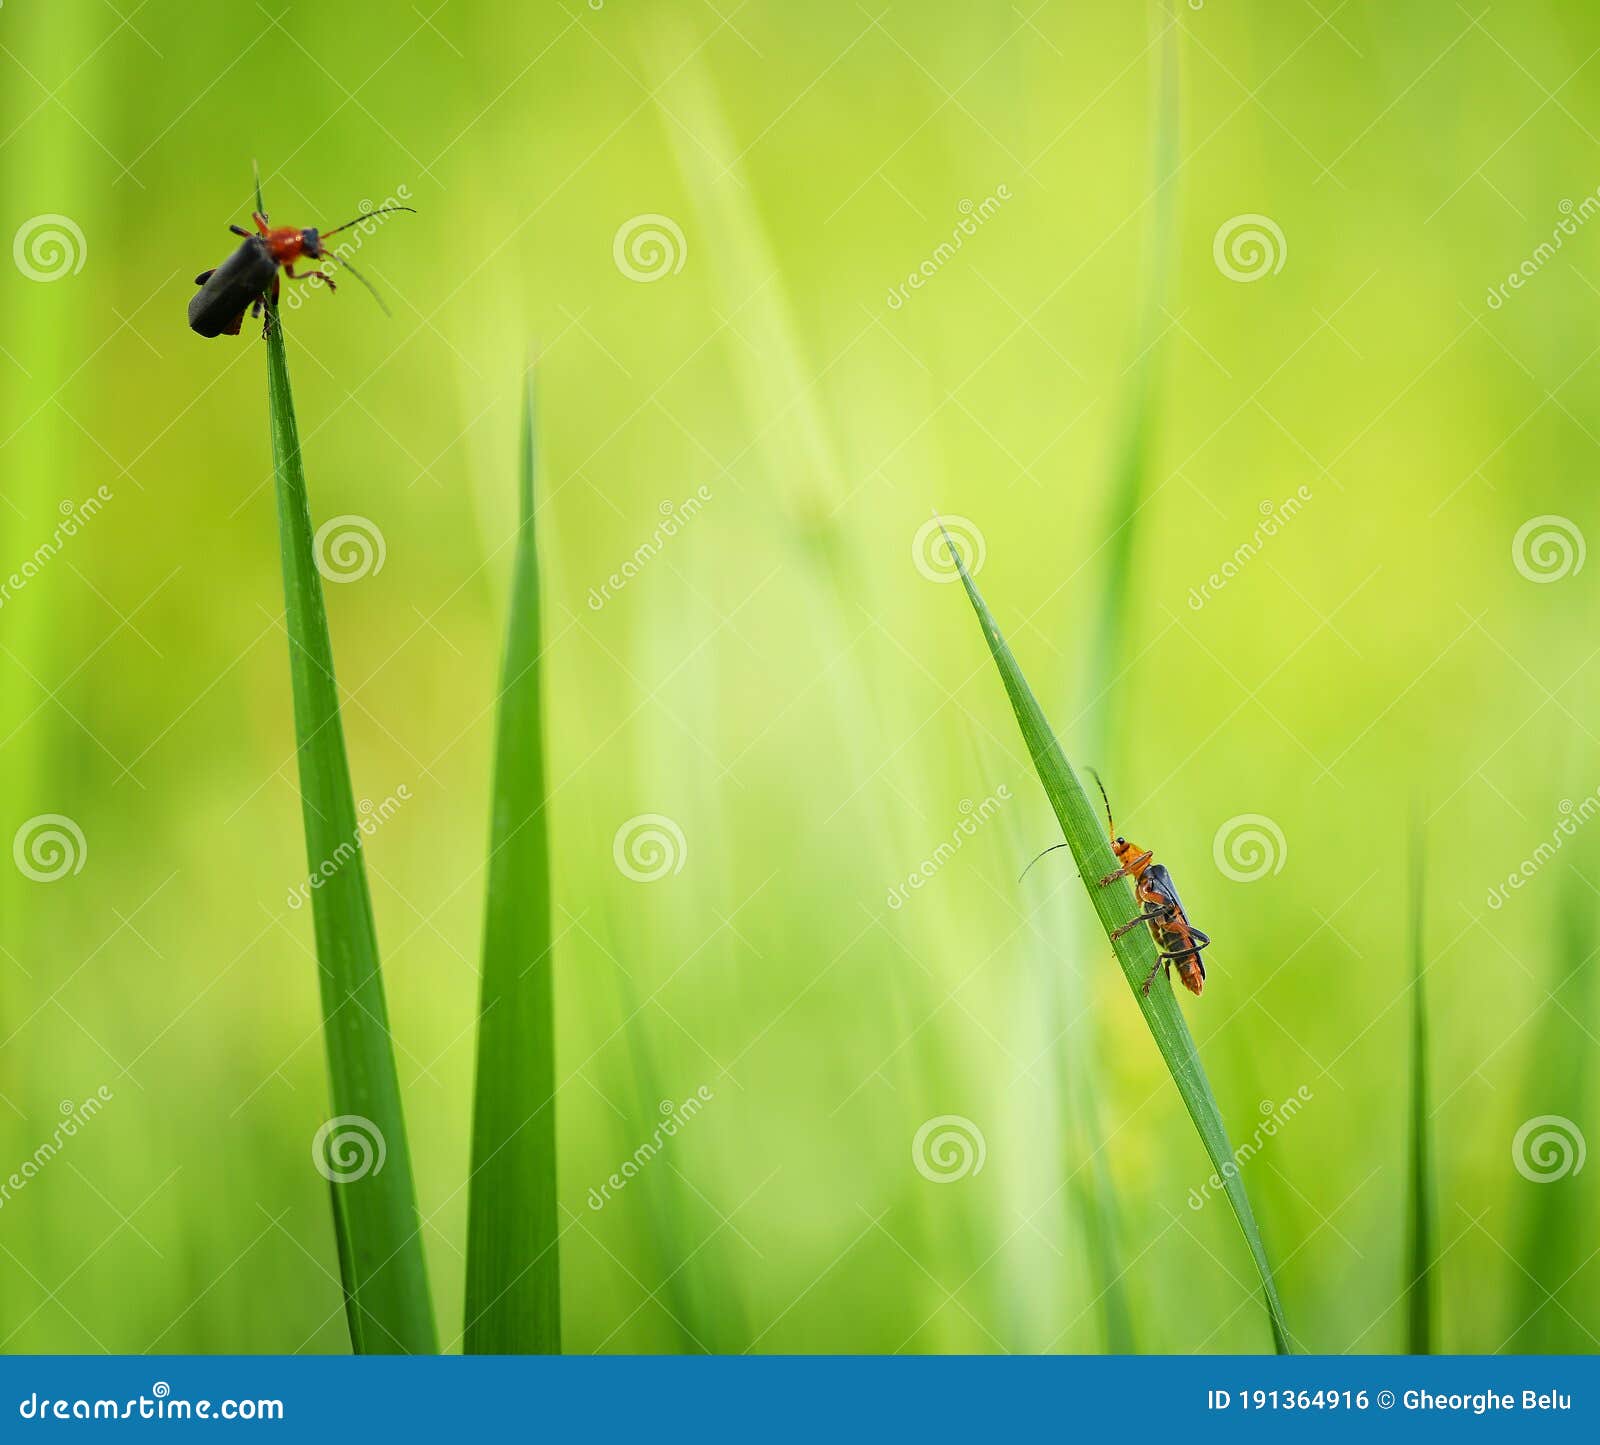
x: 380, y: 210
x: 1051, y: 849
x: 363, y: 280
x: 1103, y: 799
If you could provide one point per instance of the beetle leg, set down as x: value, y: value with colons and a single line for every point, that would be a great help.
x: 260, y: 219
x: 1146, y: 917
x: 1166, y: 960
x: 321, y: 276
x: 203, y: 277
x: 1127, y: 869
x: 240, y: 231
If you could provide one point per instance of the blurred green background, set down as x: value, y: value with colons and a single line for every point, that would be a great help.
x: 781, y: 679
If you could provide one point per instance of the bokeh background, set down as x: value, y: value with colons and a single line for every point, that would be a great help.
x: 1087, y: 382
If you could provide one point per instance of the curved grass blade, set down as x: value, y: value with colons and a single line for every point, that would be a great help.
x: 1085, y: 836
x: 513, y: 1300
x: 375, y: 1215
x: 1419, y: 1306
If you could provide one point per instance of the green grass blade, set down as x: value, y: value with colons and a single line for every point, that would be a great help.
x: 513, y: 1300
x: 379, y: 1233
x: 1085, y: 835
x: 1096, y: 1197
x: 1419, y: 1307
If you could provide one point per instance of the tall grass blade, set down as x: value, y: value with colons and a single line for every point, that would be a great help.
x: 1419, y: 1305
x: 513, y: 1300
x: 375, y: 1212
x: 1085, y: 835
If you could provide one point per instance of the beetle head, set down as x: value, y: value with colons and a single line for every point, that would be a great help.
x: 311, y: 245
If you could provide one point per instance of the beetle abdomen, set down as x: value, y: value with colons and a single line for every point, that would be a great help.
x: 220, y: 303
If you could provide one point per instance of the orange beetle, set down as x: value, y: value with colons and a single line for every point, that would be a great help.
x: 1177, y: 940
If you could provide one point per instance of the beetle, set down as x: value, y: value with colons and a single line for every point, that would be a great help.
x: 1177, y: 940
x: 248, y: 279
